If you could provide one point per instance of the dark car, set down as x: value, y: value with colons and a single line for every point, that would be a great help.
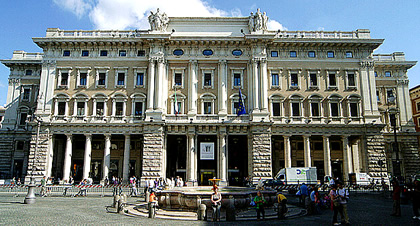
x: 272, y: 183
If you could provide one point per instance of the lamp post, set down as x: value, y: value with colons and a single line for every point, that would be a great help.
x: 396, y: 164
x: 30, y: 197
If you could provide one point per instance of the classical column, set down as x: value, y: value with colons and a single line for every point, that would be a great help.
x: 107, y: 156
x: 256, y: 84
x: 347, y: 158
x: 126, y: 163
x: 264, y: 85
x: 287, y: 152
x: 192, y: 91
x: 221, y: 138
x: 50, y: 154
x: 222, y: 91
x: 307, y: 150
x: 191, y: 158
x: 151, y: 85
x: 67, y: 158
x: 327, y: 155
x: 87, y: 159
x: 159, y: 83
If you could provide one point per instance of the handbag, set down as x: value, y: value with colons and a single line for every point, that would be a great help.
x: 252, y: 203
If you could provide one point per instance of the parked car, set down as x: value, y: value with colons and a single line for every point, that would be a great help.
x: 272, y: 183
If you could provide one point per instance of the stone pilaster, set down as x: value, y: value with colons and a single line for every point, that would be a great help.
x: 37, y: 162
x: 376, y: 151
x: 261, y: 156
x: 153, y: 152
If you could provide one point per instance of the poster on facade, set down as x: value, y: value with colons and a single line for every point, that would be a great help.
x: 207, y: 151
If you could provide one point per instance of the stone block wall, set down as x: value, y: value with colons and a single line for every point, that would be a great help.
x: 261, y: 156
x: 153, y: 156
x: 376, y: 152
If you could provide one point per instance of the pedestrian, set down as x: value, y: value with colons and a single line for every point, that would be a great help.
x: 332, y: 182
x: 416, y: 199
x: 260, y: 202
x: 343, y: 194
x: 335, y: 204
x: 216, y: 203
x: 303, y: 194
x: 396, y: 208
x: 282, y: 208
x: 43, y: 189
x: 313, y: 199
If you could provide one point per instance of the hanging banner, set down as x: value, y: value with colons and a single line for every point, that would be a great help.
x: 206, y: 151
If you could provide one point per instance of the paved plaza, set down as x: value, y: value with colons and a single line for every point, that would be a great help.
x: 364, y: 209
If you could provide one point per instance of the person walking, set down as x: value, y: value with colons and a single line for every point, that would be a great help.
x: 43, y: 188
x: 396, y: 208
x: 216, y: 203
x: 343, y: 194
x: 259, y: 202
x: 303, y: 194
x: 282, y: 208
x: 416, y: 199
x: 335, y: 204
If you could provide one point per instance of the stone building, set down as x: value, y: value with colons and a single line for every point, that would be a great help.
x: 415, y: 103
x: 163, y: 102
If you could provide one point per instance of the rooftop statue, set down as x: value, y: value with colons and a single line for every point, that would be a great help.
x: 158, y: 21
x: 258, y: 22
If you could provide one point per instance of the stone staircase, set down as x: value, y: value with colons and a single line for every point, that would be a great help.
x: 140, y: 210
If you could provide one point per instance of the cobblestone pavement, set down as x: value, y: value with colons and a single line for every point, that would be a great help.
x: 364, y: 209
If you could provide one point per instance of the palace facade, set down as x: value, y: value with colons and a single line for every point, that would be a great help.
x: 163, y: 103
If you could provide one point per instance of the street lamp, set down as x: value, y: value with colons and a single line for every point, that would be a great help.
x: 30, y: 197
x: 396, y: 164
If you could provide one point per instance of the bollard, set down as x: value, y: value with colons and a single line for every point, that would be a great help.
x: 116, y: 198
x: 201, y: 212
x: 119, y: 205
x: 230, y: 212
x: 151, y: 207
x: 147, y: 196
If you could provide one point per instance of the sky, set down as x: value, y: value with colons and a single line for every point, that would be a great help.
x: 398, y: 22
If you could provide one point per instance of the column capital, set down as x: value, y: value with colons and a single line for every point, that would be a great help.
x: 69, y: 136
x: 107, y: 136
x: 307, y: 135
x: 345, y: 136
x: 88, y: 135
x: 286, y: 136
x: 326, y: 136
x: 127, y: 135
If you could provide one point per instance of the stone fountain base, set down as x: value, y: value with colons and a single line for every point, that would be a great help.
x: 191, y: 197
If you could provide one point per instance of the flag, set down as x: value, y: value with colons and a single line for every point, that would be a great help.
x: 241, y: 107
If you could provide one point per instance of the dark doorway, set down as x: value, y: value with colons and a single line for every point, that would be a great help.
x: 17, y: 168
x: 96, y: 170
x: 319, y: 170
x: 237, y: 159
x: 207, y: 158
x: 77, y: 170
x: 176, y: 156
x: 337, y: 169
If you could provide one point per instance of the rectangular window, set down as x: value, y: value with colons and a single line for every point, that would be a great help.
x: 66, y: 53
x: 26, y: 93
x: 293, y: 54
x: 418, y: 106
x: 104, y: 53
x: 389, y: 93
x: 100, y: 108
x: 28, y: 72
x: 20, y: 145
x: 141, y: 53
x: 295, y: 109
x: 378, y: 96
x: 207, y: 107
x: 235, y: 107
x: 276, y: 109
x: 330, y: 54
x: 376, y: 74
x: 83, y: 78
x: 313, y: 80
x: 294, y: 80
x: 140, y: 79
x: 387, y: 74
x: 334, y: 109
x: 275, y: 79
x: 119, y: 108
x: 315, y: 109
x: 354, y: 110
x: 121, y: 78
x: 64, y: 79
x: 23, y: 117
x: 178, y: 79
x: 80, y: 108
x: 122, y: 53
x: 138, y: 108
x: 349, y: 54
x: 311, y: 54
x: 274, y: 54
x: 61, y: 108
x: 178, y: 109
x: 236, y: 79
x: 351, y: 80
x: 332, y: 80
x: 207, y: 79
x: 85, y: 53
x: 102, y: 79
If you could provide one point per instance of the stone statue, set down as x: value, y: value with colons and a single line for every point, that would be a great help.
x: 258, y: 22
x: 158, y: 21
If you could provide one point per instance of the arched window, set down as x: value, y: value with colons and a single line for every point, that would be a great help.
x: 276, y: 103
x: 315, y: 107
x: 138, y: 102
x: 100, y: 106
x: 296, y: 107
x: 80, y: 106
x: 61, y: 105
x: 177, y: 103
x: 234, y: 100
x: 353, y: 106
x: 334, y: 102
x: 119, y: 103
x: 207, y: 103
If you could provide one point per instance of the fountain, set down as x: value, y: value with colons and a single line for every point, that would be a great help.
x: 190, y: 198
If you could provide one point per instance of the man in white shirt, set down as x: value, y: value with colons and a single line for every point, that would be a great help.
x: 344, y: 196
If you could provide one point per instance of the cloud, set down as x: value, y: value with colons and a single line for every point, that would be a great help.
x: 123, y: 14
x: 274, y: 25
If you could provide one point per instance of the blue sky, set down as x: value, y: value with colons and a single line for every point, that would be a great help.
x: 395, y: 21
